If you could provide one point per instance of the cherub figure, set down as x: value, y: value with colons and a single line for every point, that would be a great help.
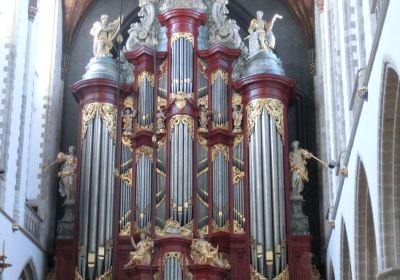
x: 143, y: 251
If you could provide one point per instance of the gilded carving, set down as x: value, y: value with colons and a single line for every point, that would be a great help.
x: 143, y: 251
x: 146, y: 76
x: 172, y: 227
x: 255, y: 275
x: 185, y: 35
x: 216, y: 228
x: 161, y: 102
x: 203, y: 142
x: 106, y: 111
x: 175, y: 255
x: 126, y: 230
x: 220, y: 149
x: 274, y: 108
x: 180, y: 98
x: 238, y: 140
x: 284, y: 275
x: 203, y: 252
x: 237, y: 227
x: 144, y: 150
x: 78, y: 276
x: 237, y: 175
x: 106, y: 275
x: 236, y: 99
x: 184, y: 119
x: 219, y: 73
x: 128, y: 115
x: 203, y: 101
x: 221, y: 125
x: 127, y: 177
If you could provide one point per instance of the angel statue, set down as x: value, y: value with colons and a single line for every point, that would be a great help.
x: 237, y: 116
x: 204, y: 253
x: 204, y: 116
x: 219, y: 12
x: 103, y: 33
x: 143, y: 251
x: 263, y: 31
x: 298, y: 170
x: 67, y: 173
x: 161, y: 120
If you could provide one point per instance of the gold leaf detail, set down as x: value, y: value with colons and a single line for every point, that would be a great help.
x: 237, y: 228
x: 238, y: 140
x: 126, y: 230
x: 146, y: 76
x: 274, y: 108
x: 184, y: 119
x: 185, y: 35
x: 236, y: 99
x: 203, y: 142
x: 127, y: 177
x: 220, y: 148
x: 203, y: 101
x: 180, y: 98
x: 219, y: 73
x: 106, y: 111
x: 144, y: 150
x: 161, y: 102
x: 237, y: 175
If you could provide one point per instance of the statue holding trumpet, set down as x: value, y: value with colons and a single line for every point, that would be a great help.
x: 67, y: 173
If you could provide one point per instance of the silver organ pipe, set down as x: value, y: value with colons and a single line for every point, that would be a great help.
x: 267, y: 217
x: 97, y: 183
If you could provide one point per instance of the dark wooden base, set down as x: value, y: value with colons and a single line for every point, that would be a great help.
x: 300, y: 256
x: 140, y: 272
x: 207, y: 272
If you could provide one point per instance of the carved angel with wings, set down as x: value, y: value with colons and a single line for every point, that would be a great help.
x: 103, y: 33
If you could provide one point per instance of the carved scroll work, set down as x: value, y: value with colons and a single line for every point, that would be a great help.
x: 274, y: 107
x: 106, y: 111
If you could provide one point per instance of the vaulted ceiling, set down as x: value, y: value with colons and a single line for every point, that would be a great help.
x: 75, y: 10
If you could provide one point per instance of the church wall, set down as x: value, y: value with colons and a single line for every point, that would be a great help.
x: 366, y: 147
x: 30, y: 112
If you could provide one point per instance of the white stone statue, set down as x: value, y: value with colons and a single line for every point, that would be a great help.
x: 161, y: 120
x: 261, y: 37
x: 223, y: 30
x: 237, y: 116
x: 67, y: 173
x: 219, y: 12
x: 142, y: 33
x: 197, y: 5
x: 103, y: 33
x: 298, y: 170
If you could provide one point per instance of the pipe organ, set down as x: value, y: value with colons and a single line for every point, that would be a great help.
x: 199, y: 142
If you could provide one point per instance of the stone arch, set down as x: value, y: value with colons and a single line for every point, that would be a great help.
x: 389, y: 173
x: 29, y: 272
x: 345, y: 266
x: 366, y: 251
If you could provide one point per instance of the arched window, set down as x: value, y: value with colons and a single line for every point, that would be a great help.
x: 389, y: 171
x: 29, y: 272
x: 366, y: 252
x: 345, y: 266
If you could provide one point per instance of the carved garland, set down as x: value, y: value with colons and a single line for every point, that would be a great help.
x: 185, y: 35
x: 203, y: 101
x: 180, y: 98
x: 106, y: 111
x: 184, y: 119
x: 238, y: 140
x: 127, y: 177
x: 237, y: 175
x: 274, y: 108
x: 161, y: 102
x: 220, y: 148
x: 146, y: 76
x: 144, y: 150
x: 219, y: 73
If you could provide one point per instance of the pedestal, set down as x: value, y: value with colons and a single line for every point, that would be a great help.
x: 66, y: 258
x: 300, y: 257
x: 298, y: 220
x: 65, y: 226
x: 209, y: 272
x: 140, y: 272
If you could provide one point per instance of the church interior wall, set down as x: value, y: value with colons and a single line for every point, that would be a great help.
x: 366, y: 148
